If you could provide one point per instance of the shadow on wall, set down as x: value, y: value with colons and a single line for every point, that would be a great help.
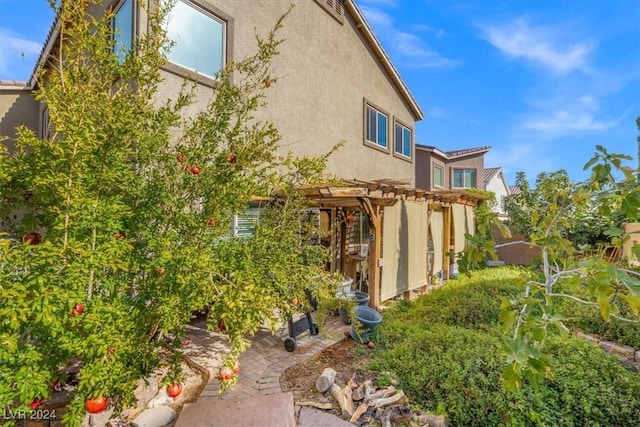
x: 516, y: 253
x: 402, y: 274
x: 17, y: 108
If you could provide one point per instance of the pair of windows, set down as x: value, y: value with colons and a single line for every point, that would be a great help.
x: 377, y: 132
x: 198, y: 36
x: 462, y: 178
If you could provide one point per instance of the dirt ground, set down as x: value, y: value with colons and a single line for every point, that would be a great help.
x: 346, y: 357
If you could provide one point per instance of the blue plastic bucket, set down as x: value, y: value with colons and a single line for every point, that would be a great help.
x: 370, y: 319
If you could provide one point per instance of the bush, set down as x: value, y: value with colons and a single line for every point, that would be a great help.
x: 580, y: 316
x: 445, y: 364
x: 468, y: 302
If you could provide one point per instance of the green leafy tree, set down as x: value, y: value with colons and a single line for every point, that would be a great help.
x: 547, y: 215
x: 115, y: 222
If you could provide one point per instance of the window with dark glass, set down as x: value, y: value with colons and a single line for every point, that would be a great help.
x: 377, y: 127
x: 403, y: 140
x: 198, y: 38
x: 464, y: 178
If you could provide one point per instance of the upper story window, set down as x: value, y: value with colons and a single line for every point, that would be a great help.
x: 376, y: 127
x: 403, y: 140
x: 198, y: 38
x: 464, y: 178
x: 123, y: 29
x: 438, y: 175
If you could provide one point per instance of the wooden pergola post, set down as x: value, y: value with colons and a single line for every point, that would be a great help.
x: 446, y: 261
x: 375, y: 251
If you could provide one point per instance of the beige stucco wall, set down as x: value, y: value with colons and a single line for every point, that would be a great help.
x: 425, y: 162
x: 17, y: 107
x: 633, y: 231
x: 324, y: 72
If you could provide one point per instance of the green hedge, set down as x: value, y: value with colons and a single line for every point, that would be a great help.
x: 445, y: 349
x: 467, y: 302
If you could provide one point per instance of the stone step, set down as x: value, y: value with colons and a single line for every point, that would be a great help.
x: 310, y: 417
x: 257, y: 411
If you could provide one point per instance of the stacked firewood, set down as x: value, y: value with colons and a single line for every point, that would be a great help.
x: 361, y: 402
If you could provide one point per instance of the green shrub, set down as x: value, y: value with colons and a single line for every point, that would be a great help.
x: 580, y: 316
x: 457, y: 372
x: 446, y: 352
x: 468, y: 302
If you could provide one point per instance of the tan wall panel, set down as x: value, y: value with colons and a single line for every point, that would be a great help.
x: 405, y: 248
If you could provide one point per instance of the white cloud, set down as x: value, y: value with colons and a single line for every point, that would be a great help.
x: 517, y: 156
x: 407, y: 47
x: 568, y: 115
x: 541, y: 45
x: 437, y: 113
x: 437, y: 32
x: 16, y: 55
x: 563, y: 122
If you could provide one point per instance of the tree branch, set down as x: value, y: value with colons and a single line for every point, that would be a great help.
x: 594, y: 305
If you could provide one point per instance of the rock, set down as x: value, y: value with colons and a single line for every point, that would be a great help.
x: 630, y: 365
x: 160, y: 400
x: 637, y: 357
x: 621, y: 350
x: 587, y: 337
x: 117, y: 422
x: 160, y: 416
x: 431, y: 420
x: 146, y: 390
x: 100, y: 419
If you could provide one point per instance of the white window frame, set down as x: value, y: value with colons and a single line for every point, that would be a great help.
x: 183, y: 69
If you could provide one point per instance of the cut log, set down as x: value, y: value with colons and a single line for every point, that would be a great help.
x: 365, y: 418
x: 326, y: 380
x: 358, y: 412
x: 345, y: 404
x: 395, y: 413
x: 348, y: 393
x: 368, y: 391
x: 358, y: 393
x: 396, y: 399
x: 319, y: 405
x: 382, y: 393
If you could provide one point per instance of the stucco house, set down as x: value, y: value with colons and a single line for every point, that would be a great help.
x: 449, y: 170
x: 495, y: 182
x: 334, y: 83
x: 331, y: 70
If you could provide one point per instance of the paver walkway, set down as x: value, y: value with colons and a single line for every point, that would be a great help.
x: 264, y: 362
x: 260, y: 369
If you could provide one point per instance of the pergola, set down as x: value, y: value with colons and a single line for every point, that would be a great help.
x: 371, y: 197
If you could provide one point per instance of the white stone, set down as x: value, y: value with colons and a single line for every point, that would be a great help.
x: 160, y: 400
x: 155, y: 417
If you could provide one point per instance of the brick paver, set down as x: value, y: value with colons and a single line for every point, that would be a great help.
x: 265, y: 361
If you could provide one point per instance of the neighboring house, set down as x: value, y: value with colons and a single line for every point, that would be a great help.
x: 334, y: 81
x: 449, y: 170
x: 495, y: 182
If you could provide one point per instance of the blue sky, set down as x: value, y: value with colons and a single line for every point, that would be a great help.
x: 540, y: 81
